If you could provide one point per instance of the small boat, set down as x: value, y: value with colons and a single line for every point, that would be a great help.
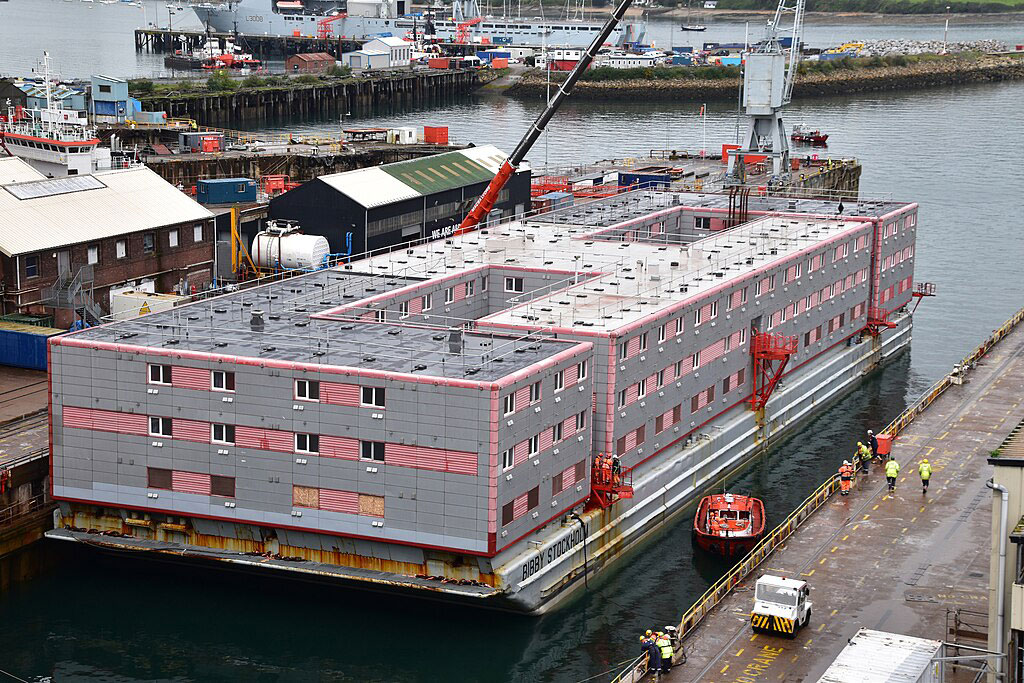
x: 807, y: 136
x: 729, y: 524
x: 693, y: 27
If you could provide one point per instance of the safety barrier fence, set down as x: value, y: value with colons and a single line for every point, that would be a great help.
x: 723, y: 587
x: 14, y: 513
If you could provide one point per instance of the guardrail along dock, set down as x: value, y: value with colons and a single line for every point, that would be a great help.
x: 906, y: 562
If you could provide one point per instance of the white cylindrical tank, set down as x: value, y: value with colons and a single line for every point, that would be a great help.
x: 291, y: 250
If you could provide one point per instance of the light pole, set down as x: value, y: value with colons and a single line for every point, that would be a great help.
x: 945, y: 32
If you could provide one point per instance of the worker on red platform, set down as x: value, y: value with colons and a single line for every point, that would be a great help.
x: 606, y: 469
x: 598, y: 461
x: 845, y: 477
x: 616, y: 470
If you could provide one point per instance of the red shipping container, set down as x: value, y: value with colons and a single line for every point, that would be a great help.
x: 499, y: 63
x: 435, y: 135
x: 438, y: 62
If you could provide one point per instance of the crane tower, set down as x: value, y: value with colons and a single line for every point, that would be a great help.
x: 767, y: 87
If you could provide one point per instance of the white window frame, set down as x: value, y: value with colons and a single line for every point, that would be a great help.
x: 662, y: 334
x: 533, y: 445
x: 641, y: 389
x: 581, y: 420
x: 380, y: 315
x: 581, y: 371
x: 197, y: 233
x: 714, y: 311
x: 224, y: 381
x: 449, y: 295
x: 559, y: 380
x: 624, y: 350
x: 508, y: 459
x: 310, y: 448
x: 172, y: 237
x: 403, y: 309
x: 643, y: 341
x: 556, y: 432
x: 770, y: 325
x: 782, y: 314
x: 223, y: 440
x: 161, y: 423
x: 373, y: 451
x: 679, y: 368
x: 375, y: 394
x: 697, y: 316
x: 483, y: 284
x: 304, y: 394
x: 509, y: 406
x: 428, y: 302
x: 696, y: 360
x: 470, y: 288
x: 757, y: 288
x: 680, y: 325
x: 512, y: 282
x: 743, y: 335
x: 92, y: 254
x: 121, y: 249
x: 728, y: 343
x: 623, y: 397
x: 535, y: 393
x: 163, y: 372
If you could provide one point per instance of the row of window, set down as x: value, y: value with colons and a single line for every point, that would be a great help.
x: 509, y: 402
x: 532, y: 445
x: 188, y: 482
x: 120, y: 249
x: 304, y: 389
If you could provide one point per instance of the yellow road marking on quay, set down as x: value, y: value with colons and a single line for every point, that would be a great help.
x: 865, y: 518
x: 922, y: 509
x: 810, y: 573
x: 855, y: 527
x: 822, y: 561
x: 834, y: 548
x: 738, y: 652
x: 821, y: 627
x: 944, y: 435
x: 876, y: 506
x: 833, y: 612
x: 753, y: 637
x: 845, y: 537
x: 724, y: 669
x: 913, y: 519
x: 930, y: 449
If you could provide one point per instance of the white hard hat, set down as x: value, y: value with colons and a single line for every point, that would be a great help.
x: 870, y: 432
x: 846, y: 462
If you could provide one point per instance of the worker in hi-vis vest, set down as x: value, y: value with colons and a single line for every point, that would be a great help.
x: 925, y: 470
x: 892, y: 470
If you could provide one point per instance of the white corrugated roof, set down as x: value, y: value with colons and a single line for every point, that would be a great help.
x: 392, y: 41
x: 489, y: 156
x: 370, y: 186
x: 15, y: 170
x: 880, y: 657
x: 130, y: 200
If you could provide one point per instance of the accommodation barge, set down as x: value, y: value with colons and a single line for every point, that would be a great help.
x: 425, y: 420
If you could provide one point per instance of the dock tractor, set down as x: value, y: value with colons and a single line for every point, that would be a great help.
x: 780, y: 606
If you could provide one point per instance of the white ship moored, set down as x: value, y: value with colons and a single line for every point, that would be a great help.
x: 367, y: 19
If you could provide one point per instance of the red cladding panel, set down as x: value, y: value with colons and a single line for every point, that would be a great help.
x: 190, y: 482
x: 191, y: 430
x: 339, y: 394
x: 520, y: 452
x: 190, y: 378
x: 522, y: 398
x: 339, y: 501
x: 339, y: 447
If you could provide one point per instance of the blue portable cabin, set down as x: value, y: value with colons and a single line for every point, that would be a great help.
x: 682, y: 60
x: 645, y: 181
x: 226, y: 191
x: 24, y: 346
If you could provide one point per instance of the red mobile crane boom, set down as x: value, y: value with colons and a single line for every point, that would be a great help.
x: 462, y: 30
x: 324, y: 30
x: 486, y: 201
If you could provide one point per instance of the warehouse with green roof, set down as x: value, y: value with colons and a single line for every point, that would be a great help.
x: 395, y: 203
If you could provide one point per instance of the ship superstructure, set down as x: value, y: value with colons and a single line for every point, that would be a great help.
x: 432, y: 414
x: 366, y: 19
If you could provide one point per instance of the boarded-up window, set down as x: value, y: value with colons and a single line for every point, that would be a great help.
x: 222, y: 486
x: 695, y: 403
x: 556, y: 484
x: 371, y: 505
x: 620, y: 446
x: 581, y: 470
x: 641, y: 434
x: 741, y: 375
x: 677, y: 413
x: 533, y: 498
x: 507, y: 513
x: 305, y: 497
x: 659, y: 424
x: 158, y: 478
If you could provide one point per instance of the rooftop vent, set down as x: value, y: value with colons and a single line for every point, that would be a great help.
x: 256, y: 321
x: 455, y: 340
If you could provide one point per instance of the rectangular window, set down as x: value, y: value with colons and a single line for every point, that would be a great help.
x: 507, y: 460
x: 158, y: 478
x: 620, y: 446
x: 307, y: 390
x: 643, y: 341
x: 581, y: 420
x: 696, y: 360
x: 197, y: 233
x: 556, y: 432
x: 380, y: 315
x: 222, y: 434
x: 483, y: 284
x: 222, y: 381
x: 510, y: 404
x: 623, y: 350
x: 782, y: 314
x: 661, y: 334
x: 714, y: 310
x: 222, y: 486
x: 534, y: 392
x: 160, y: 426
x: 93, y: 254
x: 307, y: 443
x: 148, y: 243
x: 428, y: 302
x: 743, y: 336
x: 32, y: 266
x: 403, y: 309
x: 372, y: 396
x: 661, y: 378
x: 507, y: 513
x: 559, y: 380
x: 771, y: 283
x: 556, y: 484
x: 105, y: 89
x: 641, y: 434
x: 622, y: 398
x: 679, y: 325
x: 172, y: 238
x: 534, y: 447
x: 449, y: 295
x: 371, y: 450
x: 641, y: 388
x: 514, y: 284
x: 159, y: 374
x: 471, y: 288
x: 679, y: 368
x: 757, y: 288
x: 581, y: 371
x: 121, y: 248
x: 533, y: 498
x: 696, y: 317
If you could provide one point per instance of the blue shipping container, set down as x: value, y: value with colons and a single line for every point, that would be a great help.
x: 645, y: 180
x: 24, y: 346
x: 682, y: 60
x: 731, y: 61
x: 226, y: 191
x: 682, y: 50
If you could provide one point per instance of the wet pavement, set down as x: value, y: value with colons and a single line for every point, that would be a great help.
x: 898, y: 562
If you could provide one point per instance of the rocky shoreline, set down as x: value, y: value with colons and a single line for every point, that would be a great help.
x: 951, y: 71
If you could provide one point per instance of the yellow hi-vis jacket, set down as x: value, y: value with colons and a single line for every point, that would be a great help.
x: 892, y: 468
x: 925, y: 469
x: 864, y: 453
x: 665, y: 645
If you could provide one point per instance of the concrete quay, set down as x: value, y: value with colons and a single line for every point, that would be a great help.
x: 909, y: 562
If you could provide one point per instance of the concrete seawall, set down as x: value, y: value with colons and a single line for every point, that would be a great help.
x: 839, y: 82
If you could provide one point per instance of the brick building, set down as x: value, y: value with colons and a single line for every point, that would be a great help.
x: 65, y: 243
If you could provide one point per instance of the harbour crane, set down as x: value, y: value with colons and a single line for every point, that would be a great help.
x: 768, y: 75
x: 485, y: 203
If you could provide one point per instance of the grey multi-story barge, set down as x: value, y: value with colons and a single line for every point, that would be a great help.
x: 426, y: 419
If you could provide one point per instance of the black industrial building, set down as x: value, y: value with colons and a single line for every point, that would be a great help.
x: 399, y: 202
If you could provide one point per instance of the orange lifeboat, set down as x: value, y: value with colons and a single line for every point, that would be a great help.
x: 728, y: 524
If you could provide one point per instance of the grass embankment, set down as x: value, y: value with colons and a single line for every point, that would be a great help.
x: 834, y: 77
x: 222, y: 82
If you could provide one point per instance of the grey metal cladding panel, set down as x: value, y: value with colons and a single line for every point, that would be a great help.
x: 188, y: 455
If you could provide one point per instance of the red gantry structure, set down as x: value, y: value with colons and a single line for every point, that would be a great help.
x: 771, y: 352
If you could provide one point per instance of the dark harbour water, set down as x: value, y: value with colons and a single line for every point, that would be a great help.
x: 956, y: 151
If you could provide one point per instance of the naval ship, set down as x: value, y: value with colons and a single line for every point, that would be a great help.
x: 366, y: 19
